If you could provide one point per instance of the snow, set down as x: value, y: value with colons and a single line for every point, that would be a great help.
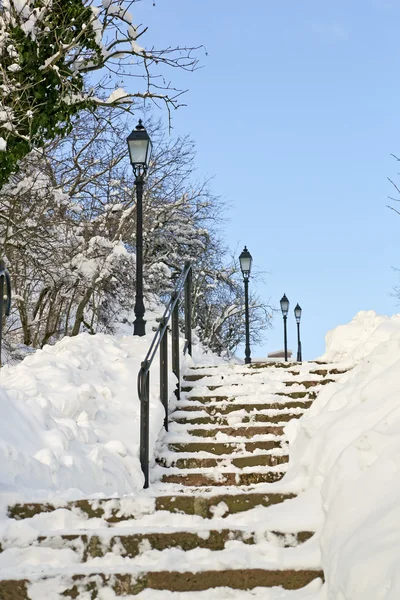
x: 117, y: 95
x: 71, y: 418
x: 347, y: 447
x: 69, y: 429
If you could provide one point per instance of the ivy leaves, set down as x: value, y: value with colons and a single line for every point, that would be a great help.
x: 41, y: 88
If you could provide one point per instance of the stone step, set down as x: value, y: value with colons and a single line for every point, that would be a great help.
x: 96, y: 545
x: 222, y: 479
x: 113, y: 510
x: 222, y: 420
x: 325, y: 372
x: 227, y: 383
x: 124, y: 584
x: 212, y: 388
x: 206, y: 399
x: 246, y: 432
x: 297, y: 395
x: 310, y: 383
x: 219, y: 448
x: 213, y: 409
x: 252, y: 460
x: 231, y: 399
x: 275, y: 365
x: 196, y: 376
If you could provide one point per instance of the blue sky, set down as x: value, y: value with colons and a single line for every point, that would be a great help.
x: 295, y: 113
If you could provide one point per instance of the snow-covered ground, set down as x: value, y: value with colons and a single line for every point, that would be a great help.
x: 348, y: 447
x: 70, y: 428
x: 70, y: 416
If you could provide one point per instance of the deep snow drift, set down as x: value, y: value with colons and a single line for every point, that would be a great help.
x: 70, y: 417
x: 348, y: 446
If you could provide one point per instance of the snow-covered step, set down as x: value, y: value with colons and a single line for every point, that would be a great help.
x: 246, y: 431
x: 188, y: 461
x: 235, y: 418
x: 223, y: 408
x: 124, y: 582
x: 243, y: 396
x: 88, y: 544
x: 117, y: 510
x: 221, y: 448
x: 219, y: 477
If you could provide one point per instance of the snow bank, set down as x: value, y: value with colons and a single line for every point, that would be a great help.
x: 348, y: 447
x: 358, y: 338
x: 70, y: 417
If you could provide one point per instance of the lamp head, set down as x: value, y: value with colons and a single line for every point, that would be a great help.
x: 297, y: 313
x: 284, y: 305
x: 140, y: 146
x: 246, y: 260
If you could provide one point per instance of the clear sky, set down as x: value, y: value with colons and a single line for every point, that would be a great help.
x: 296, y: 113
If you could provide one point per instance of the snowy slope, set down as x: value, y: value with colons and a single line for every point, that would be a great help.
x: 348, y: 447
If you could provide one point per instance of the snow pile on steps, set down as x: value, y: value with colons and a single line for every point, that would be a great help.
x: 22, y: 555
x: 70, y: 420
x: 348, y: 447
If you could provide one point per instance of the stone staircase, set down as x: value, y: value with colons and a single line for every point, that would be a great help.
x: 219, y: 512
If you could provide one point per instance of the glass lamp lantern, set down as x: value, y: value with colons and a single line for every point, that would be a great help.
x: 297, y: 313
x: 284, y: 305
x: 139, y: 145
x: 246, y: 261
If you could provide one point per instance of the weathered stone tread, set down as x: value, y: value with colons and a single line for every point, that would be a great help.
x: 247, y: 432
x: 188, y: 504
x: 224, y: 409
x: 296, y: 395
x: 224, y: 448
x: 95, y: 546
x: 224, y: 479
x: 126, y: 584
x: 254, y: 460
x: 308, y: 384
x: 221, y: 420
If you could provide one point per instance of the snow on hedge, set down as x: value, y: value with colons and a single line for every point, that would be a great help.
x: 348, y: 447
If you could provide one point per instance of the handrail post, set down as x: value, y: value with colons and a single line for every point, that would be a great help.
x: 175, y: 344
x: 144, y: 395
x: 1, y: 314
x: 188, y: 308
x: 164, y: 372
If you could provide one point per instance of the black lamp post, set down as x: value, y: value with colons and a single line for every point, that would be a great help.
x: 297, y: 314
x: 139, y: 144
x: 246, y: 261
x: 285, y: 310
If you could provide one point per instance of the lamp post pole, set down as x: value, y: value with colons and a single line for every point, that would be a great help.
x: 246, y: 261
x: 247, y: 359
x: 299, y: 359
x: 285, y: 335
x: 297, y: 314
x: 139, y: 146
x: 285, y: 310
x: 139, y: 325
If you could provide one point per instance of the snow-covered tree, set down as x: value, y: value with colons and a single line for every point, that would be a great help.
x: 58, y: 57
x: 68, y: 226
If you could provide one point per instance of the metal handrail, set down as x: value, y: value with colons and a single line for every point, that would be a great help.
x: 160, y: 340
x: 4, y: 278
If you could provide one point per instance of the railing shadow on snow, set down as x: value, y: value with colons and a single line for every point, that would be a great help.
x: 160, y: 340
